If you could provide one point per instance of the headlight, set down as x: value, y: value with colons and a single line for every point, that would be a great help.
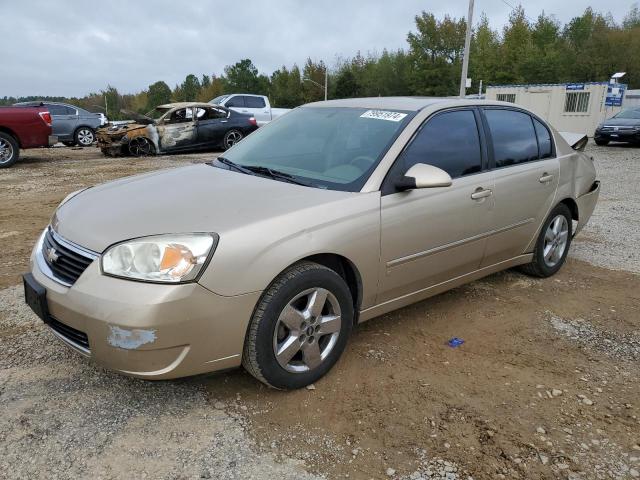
x: 160, y: 258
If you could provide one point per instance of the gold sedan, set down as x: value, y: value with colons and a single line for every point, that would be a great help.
x: 334, y: 214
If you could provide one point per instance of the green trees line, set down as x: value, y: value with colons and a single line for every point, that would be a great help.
x: 590, y: 47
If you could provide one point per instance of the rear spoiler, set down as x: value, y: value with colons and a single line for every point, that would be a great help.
x: 577, y: 141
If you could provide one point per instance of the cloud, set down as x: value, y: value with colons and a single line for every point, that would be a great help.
x: 72, y: 48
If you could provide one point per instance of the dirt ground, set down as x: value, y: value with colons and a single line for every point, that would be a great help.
x: 544, y: 386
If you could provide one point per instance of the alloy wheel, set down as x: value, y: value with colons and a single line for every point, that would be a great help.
x: 307, y: 330
x: 555, y: 240
x: 6, y: 151
x: 232, y: 138
x: 85, y: 137
x: 140, y: 146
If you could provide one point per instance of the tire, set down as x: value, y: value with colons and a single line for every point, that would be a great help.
x: 231, y: 138
x: 295, y: 292
x: 84, y: 136
x: 9, y: 150
x: 546, y: 265
x: 141, y: 147
x: 602, y: 143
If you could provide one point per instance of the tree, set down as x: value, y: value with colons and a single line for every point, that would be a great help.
x: 435, y: 52
x: 243, y: 77
x: 346, y: 85
x: 159, y: 93
x: 190, y: 88
x: 313, y: 91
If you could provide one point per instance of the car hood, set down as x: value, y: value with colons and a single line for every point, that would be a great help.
x: 198, y: 198
x: 120, y: 129
x: 621, y: 122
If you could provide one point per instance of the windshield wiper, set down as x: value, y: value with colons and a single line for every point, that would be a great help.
x: 261, y: 171
x: 230, y: 164
x: 277, y: 175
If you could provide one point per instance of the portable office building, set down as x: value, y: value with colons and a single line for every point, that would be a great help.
x: 569, y: 107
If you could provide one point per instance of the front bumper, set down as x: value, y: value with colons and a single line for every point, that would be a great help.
x: 631, y: 136
x: 149, y: 330
x: 110, y: 146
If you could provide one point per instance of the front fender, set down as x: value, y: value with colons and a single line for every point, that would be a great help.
x: 249, y: 258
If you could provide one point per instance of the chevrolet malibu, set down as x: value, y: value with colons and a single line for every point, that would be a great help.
x: 335, y: 213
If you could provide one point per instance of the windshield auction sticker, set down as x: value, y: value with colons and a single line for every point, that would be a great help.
x: 384, y: 115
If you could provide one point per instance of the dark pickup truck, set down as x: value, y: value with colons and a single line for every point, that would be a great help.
x: 23, y: 127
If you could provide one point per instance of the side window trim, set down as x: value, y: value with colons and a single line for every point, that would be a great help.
x: 487, y: 132
x: 386, y: 188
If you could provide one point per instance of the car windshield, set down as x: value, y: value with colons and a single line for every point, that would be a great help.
x: 219, y: 99
x: 157, y: 112
x: 335, y: 148
x: 635, y: 114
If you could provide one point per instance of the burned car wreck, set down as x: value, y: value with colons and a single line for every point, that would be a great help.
x: 176, y: 127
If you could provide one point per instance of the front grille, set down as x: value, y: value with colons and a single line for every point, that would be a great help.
x: 65, y: 261
x: 69, y: 333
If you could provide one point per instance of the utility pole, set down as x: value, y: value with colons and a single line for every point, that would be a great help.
x: 480, y: 90
x: 467, y: 47
x: 326, y: 82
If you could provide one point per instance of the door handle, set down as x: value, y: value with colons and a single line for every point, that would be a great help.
x: 481, y: 193
x: 224, y: 121
x: 545, y: 178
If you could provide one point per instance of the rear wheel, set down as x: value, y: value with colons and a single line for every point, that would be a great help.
x: 231, y: 138
x: 299, y: 328
x: 602, y: 143
x: 9, y: 150
x: 552, y: 245
x: 84, y: 136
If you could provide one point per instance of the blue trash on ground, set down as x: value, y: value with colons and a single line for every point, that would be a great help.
x: 455, y: 342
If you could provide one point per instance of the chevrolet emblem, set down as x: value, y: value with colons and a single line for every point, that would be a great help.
x: 52, y: 255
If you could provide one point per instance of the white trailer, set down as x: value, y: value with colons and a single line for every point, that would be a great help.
x: 569, y: 107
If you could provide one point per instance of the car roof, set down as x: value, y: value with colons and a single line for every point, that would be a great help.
x: 186, y: 104
x: 413, y: 104
x: 47, y: 102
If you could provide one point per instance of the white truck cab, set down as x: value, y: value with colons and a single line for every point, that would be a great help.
x: 256, y: 105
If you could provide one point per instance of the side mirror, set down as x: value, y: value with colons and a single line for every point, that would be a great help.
x: 422, y: 175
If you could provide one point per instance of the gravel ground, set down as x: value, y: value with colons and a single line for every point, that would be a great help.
x: 61, y: 415
x: 612, y: 236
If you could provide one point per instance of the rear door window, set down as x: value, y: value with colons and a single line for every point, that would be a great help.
x: 236, y: 101
x: 449, y: 141
x: 254, y: 102
x: 513, y: 136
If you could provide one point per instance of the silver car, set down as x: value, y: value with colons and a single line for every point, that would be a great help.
x: 335, y: 213
x: 72, y: 125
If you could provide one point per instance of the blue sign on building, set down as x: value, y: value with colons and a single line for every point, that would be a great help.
x: 575, y: 86
x: 615, y: 94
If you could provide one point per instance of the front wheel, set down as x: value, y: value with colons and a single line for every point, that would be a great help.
x: 231, y: 138
x: 299, y: 328
x: 140, y: 147
x: 552, y: 245
x: 9, y: 150
x: 84, y: 137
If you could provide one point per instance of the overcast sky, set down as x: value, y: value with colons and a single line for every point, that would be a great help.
x: 71, y: 48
